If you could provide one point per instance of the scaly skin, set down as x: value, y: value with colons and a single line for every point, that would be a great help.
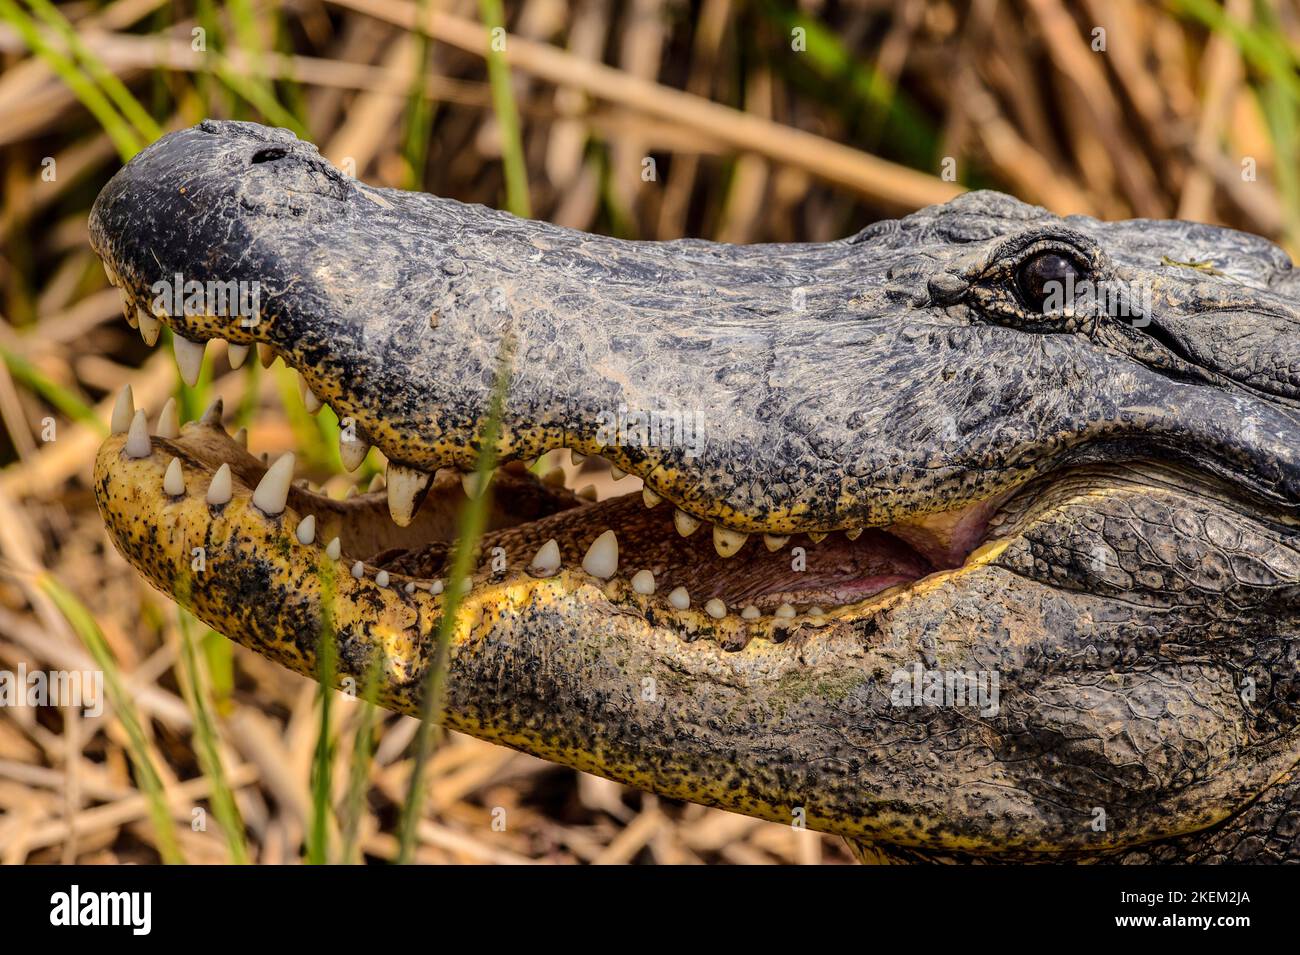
x: 1102, y: 506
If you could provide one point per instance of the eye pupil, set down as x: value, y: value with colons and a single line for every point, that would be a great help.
x: 1044, y: 274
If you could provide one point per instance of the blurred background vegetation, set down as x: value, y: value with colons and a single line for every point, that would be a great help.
x: 736, y: 120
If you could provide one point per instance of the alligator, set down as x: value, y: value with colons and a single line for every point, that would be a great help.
x: 972, y: 537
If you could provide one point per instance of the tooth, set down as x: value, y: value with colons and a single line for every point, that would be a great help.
x: 617, y: 473
x: 816, y: 612
x: 785, y: 611
x: 575, y: 457
x: 273, y: 490
x: 377, y: 483
x: 173, y: 480
x: 358, y: 570
x: 123, y: 411
x: 214, y: 413
x: 333, y: 549
x: 169, y: 422
x: 241, y: 438
x: 716, y: 609
x: 602, y: 556
x: 219, y: 489
x: 727, y: 542
x: 308, y: 396
x: 265, y: 354
x: 128, y: 312
x: 237, y: 355
x: 686, y: 524
x: 750, y: 613
x: 853, y: 533
x: 307, y: 530
x: 150, y: 327
x: 650, y: 497
x: 189, y: 358
x: 774, y: 542
x: 435, y: 588
x: 137, y: 437
x: 410, y: 587
x: 381, y: 578
x: 643, y: 582
x: 352, y: 452
x: 546, y: 562
x: 679, y: 598
x: 406, y: 489
x: 466, y: 584
x: 471, y: 483
x: 112, y: 276
x: 816, y: 536
x: 587, y: 493
x: 554, y: 477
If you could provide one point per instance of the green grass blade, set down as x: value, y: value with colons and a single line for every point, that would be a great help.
x: 363, y: 755
x: 61, y: 398
x: 322, y: 768
x: 473, y: 521
x: 83, y: 623
x: 507, y: 113
x: 196, y: 693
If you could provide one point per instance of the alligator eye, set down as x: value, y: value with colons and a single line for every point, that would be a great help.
x: 270, y: 154
x: 1045, y: 273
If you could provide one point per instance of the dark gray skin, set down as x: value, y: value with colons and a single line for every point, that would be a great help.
x: 1136, y: 588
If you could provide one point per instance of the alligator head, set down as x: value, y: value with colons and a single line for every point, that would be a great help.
x: 977, y: 534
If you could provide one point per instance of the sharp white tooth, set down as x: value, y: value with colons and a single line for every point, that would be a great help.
x: 307, y: 530
x: 554, y: 477
x: 575, y: 457
x: 308, y: 396
x: 750, y: 613
x: 774, y: 542
x: 854, y: 533
x: 816, y: 536
x: 352, y: 453
x: 588, y: 493
x: 174, y: 480
x: 265, y: 354
x: 602, y: 556
x: 617, y: 473
x: 406, y: 489
x: 123, y: 411
x: 138, y: 444
x: 435, y: 588
x: 214, y: 413
x: 410, y: 587
x: 189, y: 358
x: 471, y: 483
x: 686, y: 524
x: 650, y: 498
x: 377, y: 483
x: 169, y: 422
x: 128, y: 312
x: 643, y: 582
x: 241, y: 438
x: 112, y: 276
x: 727, y: 542
x: 273, y: 490
x: 333, y: 549
x: 785, y: 611
x: 715, y: 608
x: 546, y: 562
x: 150, y: 327
x: 358, y: 570
x: 381, y: 578
x: 237, y: 355
x: 679, y: 598
x: 219, y: 489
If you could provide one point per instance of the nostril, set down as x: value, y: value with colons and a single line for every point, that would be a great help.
x: 270, y: 154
